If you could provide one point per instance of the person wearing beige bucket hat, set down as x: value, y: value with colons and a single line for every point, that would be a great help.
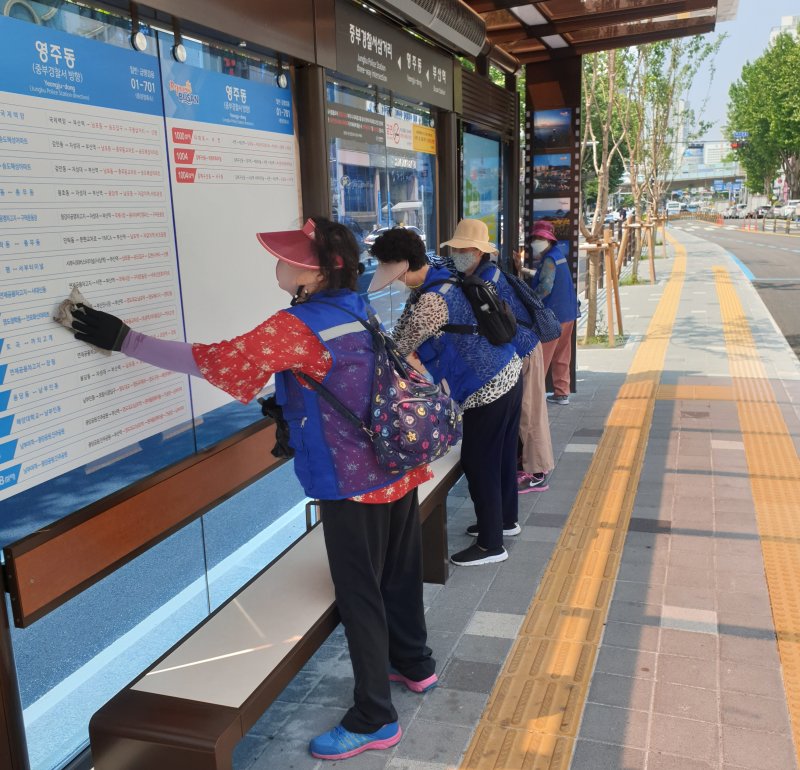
x: 471, y: 234
x: 471, y: 247
x: 370, y: 519
x: 483, y: 378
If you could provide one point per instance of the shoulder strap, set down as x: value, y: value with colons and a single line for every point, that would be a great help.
x: 453, y: 328
x: 454, y: 280
x: 379, y: 338
x: 514, y: 282
x: 334, y: 402
x: 369, y: 324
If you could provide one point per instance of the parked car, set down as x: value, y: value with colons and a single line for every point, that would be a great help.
x: 792, y: 209
x: 370, y: 238
x: 356, y: 228
x: 763, y: 211
x: 776, y: 212
x: 739, y: 211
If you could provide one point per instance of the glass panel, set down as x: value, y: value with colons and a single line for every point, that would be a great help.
x: 76, y: 658
x: 482, y: 182
x: 561, y: 9
x: 71, y: 431
x: 380, y: 180
x: 246, y: 532
x: 64, y: 405
x: 636, y: 29
x: 243, y: 170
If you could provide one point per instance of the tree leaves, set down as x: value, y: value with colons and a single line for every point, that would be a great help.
x: 765, y: 102
x: 634, y: 105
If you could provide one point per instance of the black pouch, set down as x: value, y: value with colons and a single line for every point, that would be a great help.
x: 271, y: 408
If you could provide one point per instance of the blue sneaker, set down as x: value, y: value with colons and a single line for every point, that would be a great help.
x: 342, y: 744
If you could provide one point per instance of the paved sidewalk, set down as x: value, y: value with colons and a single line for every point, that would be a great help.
x: 686, y: 674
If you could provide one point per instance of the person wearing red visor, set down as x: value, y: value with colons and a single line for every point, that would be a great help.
x: 370, y: 519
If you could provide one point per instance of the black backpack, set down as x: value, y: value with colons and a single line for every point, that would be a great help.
x: 495, y: 319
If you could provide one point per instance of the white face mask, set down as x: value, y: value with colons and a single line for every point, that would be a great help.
x: 463, y: 261
x: 291, y: 277
x: 539, y: 246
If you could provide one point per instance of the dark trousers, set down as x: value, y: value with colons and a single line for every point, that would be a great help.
x: 489, y: 460
x: 375, y: 557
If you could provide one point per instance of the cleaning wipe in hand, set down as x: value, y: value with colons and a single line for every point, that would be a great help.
x: 65, y: 309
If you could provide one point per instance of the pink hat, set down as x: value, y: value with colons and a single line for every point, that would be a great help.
x: 543, y: 229
x: 296, y: 247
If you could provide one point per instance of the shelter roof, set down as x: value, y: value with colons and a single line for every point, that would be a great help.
x: 550, y: 29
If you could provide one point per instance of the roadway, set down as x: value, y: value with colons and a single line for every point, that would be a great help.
x: 771, y: 261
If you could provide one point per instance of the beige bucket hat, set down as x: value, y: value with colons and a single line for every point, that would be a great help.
x: 472, y: 234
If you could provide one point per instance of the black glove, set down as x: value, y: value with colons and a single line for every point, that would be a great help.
x: 98, y: 328
x: 271, y: 408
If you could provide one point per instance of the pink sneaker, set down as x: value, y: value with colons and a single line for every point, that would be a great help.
x: 420, y: 687
x: 527, y: 482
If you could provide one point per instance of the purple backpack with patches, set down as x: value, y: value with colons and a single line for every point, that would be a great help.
x: 411, y: 421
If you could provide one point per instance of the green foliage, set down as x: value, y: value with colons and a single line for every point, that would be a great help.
x: 765, y: 102
x: 634, y: 103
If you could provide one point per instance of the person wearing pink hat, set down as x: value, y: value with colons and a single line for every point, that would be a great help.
x: 370, y: 519
x: 552, y: 282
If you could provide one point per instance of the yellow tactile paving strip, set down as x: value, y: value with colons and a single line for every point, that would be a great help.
x: 533, y: 713
x: 695, y: 393
x: 774, y: 469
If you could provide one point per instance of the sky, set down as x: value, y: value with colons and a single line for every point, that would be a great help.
x: 747, y: 37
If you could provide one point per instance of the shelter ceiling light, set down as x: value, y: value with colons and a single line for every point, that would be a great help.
x: 528, y: 14
x: 554, y: 41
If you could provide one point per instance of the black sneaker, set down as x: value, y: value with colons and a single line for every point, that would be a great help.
x: 474, y: 556
x: 554, y: 399
x: 472, y: 530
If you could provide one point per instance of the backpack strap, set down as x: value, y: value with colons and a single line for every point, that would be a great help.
x: 350, y: 416
x: 379, y: 338
x: 453, y: 328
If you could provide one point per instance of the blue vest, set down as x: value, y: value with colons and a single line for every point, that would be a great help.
x: 562, y: 300
x: 525, y: 340
x: 466, y: 361
x: 333, y: 459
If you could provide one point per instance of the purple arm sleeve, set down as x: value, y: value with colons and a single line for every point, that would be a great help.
x: 165, y: 354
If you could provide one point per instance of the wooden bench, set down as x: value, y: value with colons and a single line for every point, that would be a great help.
x: 189, y: 710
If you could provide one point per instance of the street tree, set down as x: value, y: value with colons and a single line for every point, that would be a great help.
x: 764, y: 103
x: 603, y: 132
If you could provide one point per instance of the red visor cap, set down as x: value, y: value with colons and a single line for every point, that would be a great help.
x: 297, y: 247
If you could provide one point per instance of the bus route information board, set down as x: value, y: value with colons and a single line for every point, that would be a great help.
x: 84, y: 201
